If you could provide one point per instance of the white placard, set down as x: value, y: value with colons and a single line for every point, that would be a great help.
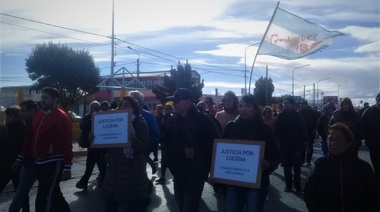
x: 237, y: 162
x: 111, y: 129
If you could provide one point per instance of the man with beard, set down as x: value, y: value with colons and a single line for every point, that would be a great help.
x: 50, y: 144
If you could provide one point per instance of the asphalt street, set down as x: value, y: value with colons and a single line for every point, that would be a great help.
x: 163, y: 196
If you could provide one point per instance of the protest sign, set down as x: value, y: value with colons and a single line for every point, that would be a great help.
x: 111, y: 129
x: 237, y: 162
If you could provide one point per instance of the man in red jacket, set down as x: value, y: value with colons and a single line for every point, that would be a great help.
x: 50, y: 144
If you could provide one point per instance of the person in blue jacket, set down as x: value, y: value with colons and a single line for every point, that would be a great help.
x: 154, y: 131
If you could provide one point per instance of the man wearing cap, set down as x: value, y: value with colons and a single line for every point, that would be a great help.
x: 371, y: 121
x: 189, y: 137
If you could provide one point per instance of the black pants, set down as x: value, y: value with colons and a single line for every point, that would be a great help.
x: 188, y: 193
x: 134, y: 206
x: 374, y: 154
x: 49, y: 195
x: 6, y: 175
x: 95, y: 156
x: 309, y: 155
x: 289, y: 176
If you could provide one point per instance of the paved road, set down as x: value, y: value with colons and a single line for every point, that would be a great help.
x: 163, y: 195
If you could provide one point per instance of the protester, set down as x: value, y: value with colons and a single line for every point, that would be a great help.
x: 159, y: 116
x: 202, y: 107
x: 126, y: 185
x: 168, y: 112
x: 365, y: 107
x: 290, y: 130
x: 340, y: 181
x: 189, y: 137
x: 209, y: 101
x: 347, y: 115
x: 230, y: 110
x: 220, y: 106
x: 50, y: 144
x: 280, y: 108
x: 104, y: 106
x: 115, y: 103
x: 268, y: 117
x: 249, y: 125
x: 154, y: 131
x: 323, y: 126
x: 11, y: 141
x: 94, y: 155
x: 310, y: 118
x: 371, y: 120
x: 27, y: 174
x: 229, y: 113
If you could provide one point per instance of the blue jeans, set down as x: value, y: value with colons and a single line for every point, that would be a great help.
x: 252, y: 199
x: 324, y: 147
x: 26, y: 181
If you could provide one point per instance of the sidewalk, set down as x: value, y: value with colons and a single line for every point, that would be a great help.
x: 163, y: 195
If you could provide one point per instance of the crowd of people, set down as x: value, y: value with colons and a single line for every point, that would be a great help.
x: 184, y: 129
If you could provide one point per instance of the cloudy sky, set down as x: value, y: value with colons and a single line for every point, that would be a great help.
x: 212, y: 35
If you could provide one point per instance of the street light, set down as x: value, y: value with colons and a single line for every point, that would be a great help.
x: 318, y: 88
x: 293, y: 76
x: 138, y: 55
x: 138, y: 60
x: 245, y: 66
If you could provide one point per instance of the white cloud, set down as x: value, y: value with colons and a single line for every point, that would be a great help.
x: 213, y: 35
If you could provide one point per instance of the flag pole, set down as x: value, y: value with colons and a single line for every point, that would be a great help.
x: 262, y: 40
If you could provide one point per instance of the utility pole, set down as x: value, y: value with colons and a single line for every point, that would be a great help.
x: 138, y: 61
x: 293, y: 76
x: 266, y: 87
x: 304, y: 92
x: 314, y: 92
x: 112, y: 53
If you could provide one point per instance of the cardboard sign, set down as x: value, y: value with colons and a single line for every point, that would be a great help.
x: 237, y: 162
x: 111, y: 129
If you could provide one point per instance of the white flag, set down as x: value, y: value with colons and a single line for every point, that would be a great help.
x: 291, y: 37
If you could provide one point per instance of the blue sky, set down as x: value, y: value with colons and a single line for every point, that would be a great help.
x: 213, y: 35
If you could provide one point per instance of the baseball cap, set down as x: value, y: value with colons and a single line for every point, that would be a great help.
x: 169, y: 103
x: 181, y: 94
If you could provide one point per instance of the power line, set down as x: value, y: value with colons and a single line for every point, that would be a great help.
x: 145, y: 50
x: 53, y: 25
x: 48, y: 32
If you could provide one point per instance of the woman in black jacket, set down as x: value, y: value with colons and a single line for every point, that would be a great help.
x: 11, y: 140
x: 126, y: 186
x: 340, y: 181
x: 249, y: 125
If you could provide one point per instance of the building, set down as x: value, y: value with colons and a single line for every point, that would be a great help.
x: 119, y: 85
x: 123, y: 81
